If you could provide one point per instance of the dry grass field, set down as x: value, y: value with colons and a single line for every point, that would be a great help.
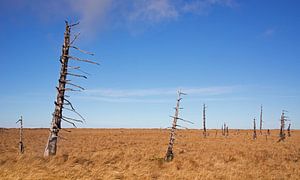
x: 138, y: 154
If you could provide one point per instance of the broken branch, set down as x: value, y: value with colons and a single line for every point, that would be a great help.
x: 83, y: 60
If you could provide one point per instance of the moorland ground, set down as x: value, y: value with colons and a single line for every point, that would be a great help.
x: 138, y: 154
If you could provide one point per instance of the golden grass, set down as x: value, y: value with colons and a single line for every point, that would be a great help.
x: 138, y: 154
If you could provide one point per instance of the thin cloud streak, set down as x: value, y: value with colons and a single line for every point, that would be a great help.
x: 121, y: 93
x: 156, y: 95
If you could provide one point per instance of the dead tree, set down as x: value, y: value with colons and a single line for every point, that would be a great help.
x: 170, y: 155
x: 21, y: 144
x: 223, y: 131
x: 204, y: 120
x: 282, y: 126
x: 227, y: 131
x: 65, y: 85
x: 289, y: 130
x: 261, y: 120
x: 254, y: 129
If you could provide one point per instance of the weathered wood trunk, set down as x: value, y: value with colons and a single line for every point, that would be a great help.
x: 254, y: 129
x: 204, y: 121
x: 261, y: 120
x: 21, y: 144
x: 289, y: 130
x: 51, y: 146
x: 170, y: 155
x: 282, y: 125
x: 227, y: 131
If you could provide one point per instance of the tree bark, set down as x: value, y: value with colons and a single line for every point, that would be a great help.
x: 51, y: 146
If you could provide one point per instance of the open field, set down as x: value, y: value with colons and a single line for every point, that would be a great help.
x: 138, y: 153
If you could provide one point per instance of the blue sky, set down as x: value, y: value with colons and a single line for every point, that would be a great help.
x: 232, y: 55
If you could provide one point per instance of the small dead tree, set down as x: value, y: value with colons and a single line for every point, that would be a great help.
x: 289, y: 130
x: 170, y: 155
x: 65, y: 85
x: 282, y: 126
x: 21, y: 144
x: 261, y: 120
x: 254, y: 129
x: 204, y: 120
x: 223, y: 131
x: 227, y: 131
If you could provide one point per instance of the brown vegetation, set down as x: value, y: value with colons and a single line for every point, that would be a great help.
x: 139, y: 153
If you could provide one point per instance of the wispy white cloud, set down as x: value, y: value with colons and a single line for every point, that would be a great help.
x: 121, y: 93
x: 204, y: 6
x: 96, y: 14
x: 154, y: 95
x: 153, y: 10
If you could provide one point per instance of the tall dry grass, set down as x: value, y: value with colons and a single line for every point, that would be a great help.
x: 138, y: 154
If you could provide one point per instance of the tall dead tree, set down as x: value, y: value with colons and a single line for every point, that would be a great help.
x: 204, y: 120
x: 65, y: 85
x: 21, y: 144
x: 170, y: 155
x: 254, y: 129
x: 282, y: 126
x: 289, y: 130
x: 261, y: 120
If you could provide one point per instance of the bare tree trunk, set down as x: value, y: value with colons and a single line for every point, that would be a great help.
x: 282, y: 125
x: 227, y: 131
x: 169, y: 155
x: 21, y: 144
x: 261, y: 120
x: 57, y: 115
x: 204, y: 121
x: 289, y: 130
x: 254, y: 129
x: 61, y: 100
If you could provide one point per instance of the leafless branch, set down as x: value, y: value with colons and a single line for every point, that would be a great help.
x: 75, y: 85
x: 75, y: 37
x: 77, y: 75
x: 182, y: 119
x: 83, y: 60
x: 75, y: 24
x: 74, y: 90
x: 72, y: 119
x: 83, y: 51
x: 69, y: 122
x: 69, y: 103
x: 73, y: 110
